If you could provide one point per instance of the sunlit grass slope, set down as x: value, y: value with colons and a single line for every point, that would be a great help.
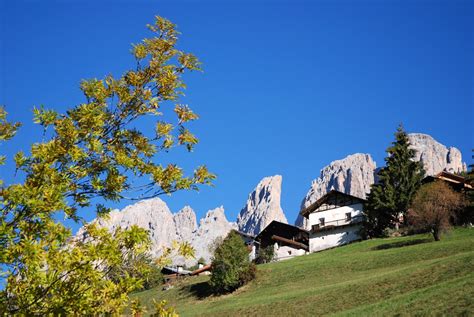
x: 396, y: 276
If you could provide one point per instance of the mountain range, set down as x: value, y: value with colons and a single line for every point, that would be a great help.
x: 353, y: 175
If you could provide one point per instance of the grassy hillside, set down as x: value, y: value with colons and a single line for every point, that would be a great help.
x: 396, y: 276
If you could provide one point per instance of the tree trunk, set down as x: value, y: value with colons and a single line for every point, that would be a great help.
x: 436, y: 234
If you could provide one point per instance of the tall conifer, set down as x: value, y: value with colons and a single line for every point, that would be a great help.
x: 467, y: 215
x: 397, y: 183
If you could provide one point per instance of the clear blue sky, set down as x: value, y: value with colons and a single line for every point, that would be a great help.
x: 288, y: 87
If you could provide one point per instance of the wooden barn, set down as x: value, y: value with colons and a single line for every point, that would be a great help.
x: 288, y: 240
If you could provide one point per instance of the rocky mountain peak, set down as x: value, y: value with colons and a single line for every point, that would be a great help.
x: 151, y: 214
x: 164, y: 227
x: 262, y: 207
x: 215, y: 215
x: 213, y: 226
x: 352, y: 175
x: 435, y: 156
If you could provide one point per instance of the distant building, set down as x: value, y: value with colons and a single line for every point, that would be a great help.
x: 249, y: 241
x: 202, y: 270
x: 461, y: 185
x: 335, y: 219
x: 457, y: 182
x: 171, y: 273
x: 288, y: 241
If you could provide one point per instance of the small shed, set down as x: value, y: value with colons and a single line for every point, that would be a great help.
x: 172, y: 273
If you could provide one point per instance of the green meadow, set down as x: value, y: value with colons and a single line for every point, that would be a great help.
x: 395, y: 276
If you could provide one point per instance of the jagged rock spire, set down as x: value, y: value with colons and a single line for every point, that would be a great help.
x: 262, y: 207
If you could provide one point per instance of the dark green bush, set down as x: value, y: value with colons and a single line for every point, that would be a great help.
x: 249, y: 274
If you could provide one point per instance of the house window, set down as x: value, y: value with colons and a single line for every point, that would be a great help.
x: 321, y: 221
x: 314, y: 228
x: 348, y: 216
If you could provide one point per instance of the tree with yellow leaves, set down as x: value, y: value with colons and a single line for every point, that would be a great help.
x: 95, y: 150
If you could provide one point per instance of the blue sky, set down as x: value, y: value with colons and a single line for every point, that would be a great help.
x: 287, y: 87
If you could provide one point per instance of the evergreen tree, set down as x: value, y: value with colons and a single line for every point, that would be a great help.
x: 467, y: 215
x: 397, y: 183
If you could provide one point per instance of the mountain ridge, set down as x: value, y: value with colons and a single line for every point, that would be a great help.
x: 353, y: 174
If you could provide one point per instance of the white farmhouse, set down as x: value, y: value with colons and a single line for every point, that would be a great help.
x: 335, y: 219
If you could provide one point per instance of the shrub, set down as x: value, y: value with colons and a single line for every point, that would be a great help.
x: 433, y: 207
x: 231, y: 267
x: 265, y: 255
x: 248, y: 275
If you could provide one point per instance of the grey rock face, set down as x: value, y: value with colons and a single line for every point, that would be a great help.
x: 165, y: 228
x: 435, y: 156
x: 153, y: 215
x: 262, y: 207
x: 212, y: 227
x: 185, y: 223
x: 352, y: 175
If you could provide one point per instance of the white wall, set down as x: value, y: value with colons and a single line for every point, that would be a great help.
x: 335, y: 214
x: 332, y: 238
x: 253, y: 253
x: 326, y: 239
x: 287, y: 252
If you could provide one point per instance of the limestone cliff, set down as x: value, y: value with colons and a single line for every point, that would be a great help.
x: 262, y: 206
x: 164, y: 227
x: 151, y: 214
x: 185, y: 223
x: 212, y: 227
x: 435, y: 156
x: 352, y: 175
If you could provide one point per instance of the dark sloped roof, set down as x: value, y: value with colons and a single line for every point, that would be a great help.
x: 281, y: 229
x: 174, y: 270
x: 458, y: 180
x: 324, y: 199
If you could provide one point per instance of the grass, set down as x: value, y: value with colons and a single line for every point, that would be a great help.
x: 395, y: 276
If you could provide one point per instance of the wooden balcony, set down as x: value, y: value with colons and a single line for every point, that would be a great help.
x: 328, y: 225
